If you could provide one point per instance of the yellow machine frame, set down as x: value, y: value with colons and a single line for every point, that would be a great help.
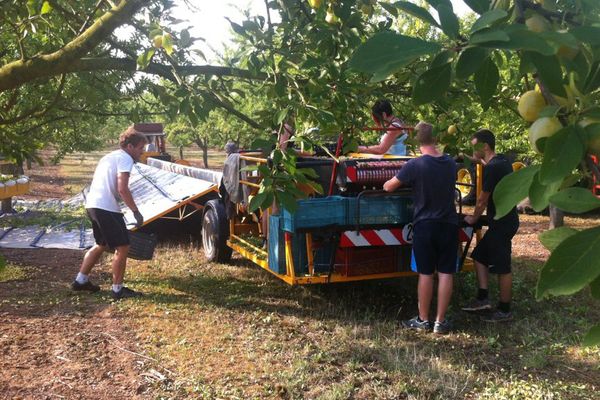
x: 260, y: 256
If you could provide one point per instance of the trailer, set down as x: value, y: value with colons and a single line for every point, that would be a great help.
x: 357, y: 232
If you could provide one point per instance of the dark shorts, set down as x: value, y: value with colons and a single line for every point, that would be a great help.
x: 435, y: 247
x: 495, y: 248
x: 109, y: 228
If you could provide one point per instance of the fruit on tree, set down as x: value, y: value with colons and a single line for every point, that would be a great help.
x: 315, y: 4
x: 530, y: 105
x: 542, y: 128
x: 157, y: 41
x: 537, y: 23
x: 452, y: 130
x: 331, y: 18
x: 366, y: 9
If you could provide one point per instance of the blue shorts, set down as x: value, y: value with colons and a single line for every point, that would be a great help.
x: 435, y: 247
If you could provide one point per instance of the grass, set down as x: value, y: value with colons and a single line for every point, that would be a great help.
x: 233, y: 331
x: 236, y: 332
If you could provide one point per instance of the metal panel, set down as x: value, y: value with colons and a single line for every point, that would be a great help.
x: 158, y: 192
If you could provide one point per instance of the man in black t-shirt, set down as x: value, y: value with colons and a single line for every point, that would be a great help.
x: 493, y: 252
x: 435, y: 236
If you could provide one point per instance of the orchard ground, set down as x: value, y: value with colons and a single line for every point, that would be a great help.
x: 207, y: 330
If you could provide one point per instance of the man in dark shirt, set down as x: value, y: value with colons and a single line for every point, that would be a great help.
x: 493, y: 252
x: 435, y: 236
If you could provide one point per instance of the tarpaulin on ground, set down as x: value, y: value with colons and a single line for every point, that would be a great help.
x: 156, y: 192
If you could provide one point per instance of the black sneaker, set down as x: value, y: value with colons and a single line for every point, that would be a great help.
x: 88, y: 286
x: 417, y: 324
x: 478, y: 305
x: 441, y: 328
x: 498, y: 316
x: 125, y: 293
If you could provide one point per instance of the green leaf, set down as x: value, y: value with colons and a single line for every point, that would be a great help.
x: 287, y: 201
x: 436, y: 3
x: 441, y: 58
x: 262, y: 144
x: 416, y: 11
x: 387, y: 52
x: 573, y: 265
x: 592, y: 338
x: 592, y: 112
x: 539, y: 194
x: 168, y: 43
x: 512, y: 189
x: 449, y: 20
x: 550, y: 72
x: 281, y: 116
x: 562, y: 153
x: 486, y: 81
x: 144, y: 59
x: 592, y: 81
x: 390, y: 8
x: 488, y: 19
x: 46, y: 8
x: 552, y: 238
x: 520, y: 38
x: 479, y: 6
x: 489, y: 36
x: 184, y: 38
x: 594, y: 287
x: 470, y: 61
x: 549, y: 111
x: 257, y: 202
x: 432, y: 84
x: 587, y: 34
x: 575, y: 200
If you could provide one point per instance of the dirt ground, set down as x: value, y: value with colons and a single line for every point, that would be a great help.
x: 56, y: 344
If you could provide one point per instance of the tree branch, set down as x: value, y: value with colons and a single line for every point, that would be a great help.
x: 126, y: 64
x: 18, y: 72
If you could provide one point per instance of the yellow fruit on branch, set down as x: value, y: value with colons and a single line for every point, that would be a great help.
x: 537, y: 23
x: 543, y: 128
x: 366, y: 9
x: 315, y: 4
x: 452, y: 129
x: 331, y: 18
x: 530, y: 105
x: 157, y: 41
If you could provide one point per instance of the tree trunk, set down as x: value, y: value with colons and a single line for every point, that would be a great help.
x: 557, y: 217
x: 181, y: 152
x: 203, y: 144
x: 6, y: 204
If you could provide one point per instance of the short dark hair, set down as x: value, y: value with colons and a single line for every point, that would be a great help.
x: 132, y: 136
x: 425, y: 133
x: 486, y: 136
x: 381, y: 106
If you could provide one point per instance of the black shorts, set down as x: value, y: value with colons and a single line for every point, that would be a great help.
x: 109, y: 228
x: 435, y: 247
x: 495, y: 249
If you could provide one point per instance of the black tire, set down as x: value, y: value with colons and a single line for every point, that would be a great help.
x: 215, y: 231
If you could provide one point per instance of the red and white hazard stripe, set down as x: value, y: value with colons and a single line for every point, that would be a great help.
x: 389, y: 237
x: 377, y: 237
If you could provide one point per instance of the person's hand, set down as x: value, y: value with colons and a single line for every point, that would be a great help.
x: 139, y: 218
x: 470, y: 219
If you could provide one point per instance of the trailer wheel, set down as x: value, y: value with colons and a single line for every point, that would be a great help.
x: 467, y: 176
x: 215, y: 231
